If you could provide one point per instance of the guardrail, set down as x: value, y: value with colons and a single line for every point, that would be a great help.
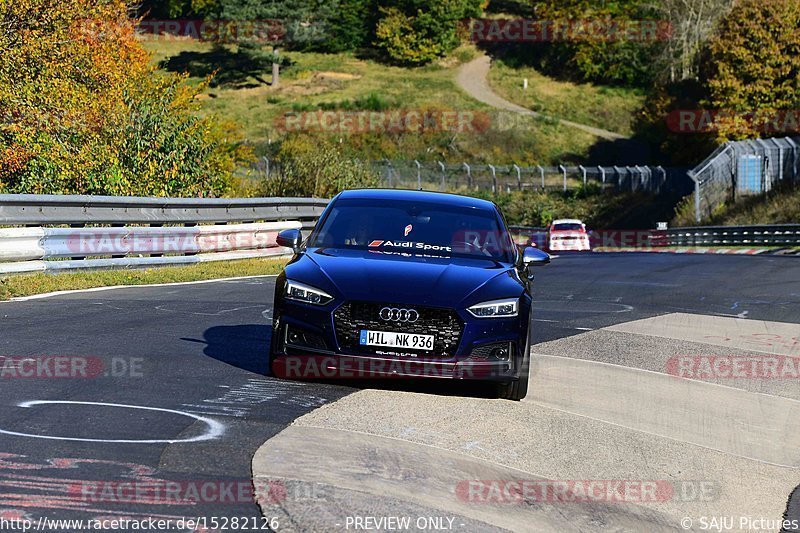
x: 783, y: 235
x: 763, y: 235
x: 119, y: 232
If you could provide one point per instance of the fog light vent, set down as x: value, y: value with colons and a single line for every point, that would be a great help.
x: 501, y: 351
x: 298, y: 337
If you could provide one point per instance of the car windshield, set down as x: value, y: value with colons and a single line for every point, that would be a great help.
x: 420, y: 228
x: 568, y: 226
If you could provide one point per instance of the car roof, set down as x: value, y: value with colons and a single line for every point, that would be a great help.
x: 421, y: 196
x: 567, y: 221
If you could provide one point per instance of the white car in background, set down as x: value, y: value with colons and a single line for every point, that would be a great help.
x: 568, y: 234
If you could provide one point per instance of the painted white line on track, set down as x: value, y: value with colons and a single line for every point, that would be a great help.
x: 215, y: 429
x: 115, y: 287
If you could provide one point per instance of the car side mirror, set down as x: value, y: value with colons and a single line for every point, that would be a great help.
x: 534, y: 257
x: 290, y: 238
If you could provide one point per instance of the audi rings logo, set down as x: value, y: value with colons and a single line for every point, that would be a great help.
x: 393, y: 314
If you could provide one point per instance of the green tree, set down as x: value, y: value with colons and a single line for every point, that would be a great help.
x: 351, y: 27
x: 415, y: 32
x: 600, y: 56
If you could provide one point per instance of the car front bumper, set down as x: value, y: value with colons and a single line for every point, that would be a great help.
x: 570, y: 245
x: 325, y: 358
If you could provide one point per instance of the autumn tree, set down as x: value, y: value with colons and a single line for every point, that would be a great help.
x: 82, y: 110
x: 753, y: 65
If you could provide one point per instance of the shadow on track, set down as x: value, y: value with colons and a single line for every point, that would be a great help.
x: 244, y: 346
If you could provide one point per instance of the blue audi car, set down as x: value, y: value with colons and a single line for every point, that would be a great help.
x: 409, y: 284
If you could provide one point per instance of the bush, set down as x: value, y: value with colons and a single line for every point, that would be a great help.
x: 82, y: 111
x: 312, y: 166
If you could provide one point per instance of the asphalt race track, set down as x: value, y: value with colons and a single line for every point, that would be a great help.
x: 176, y: 395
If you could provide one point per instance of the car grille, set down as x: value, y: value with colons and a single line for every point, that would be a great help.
x: 352, y: 317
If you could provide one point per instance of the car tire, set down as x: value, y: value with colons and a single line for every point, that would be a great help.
x: 517, y: 390
x: 273, y: 347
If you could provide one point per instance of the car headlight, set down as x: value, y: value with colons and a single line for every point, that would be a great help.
x: 495, y: 308
x: 304, y: 293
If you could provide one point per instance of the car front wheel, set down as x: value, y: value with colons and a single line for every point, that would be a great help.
x: 517, y: 390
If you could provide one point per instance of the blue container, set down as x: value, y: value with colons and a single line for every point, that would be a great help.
x: 750, y: 174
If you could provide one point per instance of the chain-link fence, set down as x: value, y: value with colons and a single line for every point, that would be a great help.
x: 465, y: 177
x: 743, y: 168
x: 505, y: 178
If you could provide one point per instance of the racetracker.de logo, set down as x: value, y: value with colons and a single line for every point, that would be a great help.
x: 158, y: 240
x: 397, y: 121
x: 708, y: 120
x: 229, y: 31
x: 478, y: 241
x: 166, y: 492
x: 516, y: 491
x: 69, y: 367
x: 329, y: 367
x: 548, y: 31
x: 633, y: 238
x: 712, y: 367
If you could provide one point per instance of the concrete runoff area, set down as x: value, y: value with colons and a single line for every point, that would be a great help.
x: 357, y: 474
x: 776, y: 338
x: 750, y: 425
x: 725, y: 451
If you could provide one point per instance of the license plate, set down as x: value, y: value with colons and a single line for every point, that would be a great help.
x: 392, y: 339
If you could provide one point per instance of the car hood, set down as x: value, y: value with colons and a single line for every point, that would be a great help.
x: 434, y: 281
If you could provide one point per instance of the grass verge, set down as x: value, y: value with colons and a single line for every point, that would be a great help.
x: 29, y: 284
x: 241, y: 91
x: 781, y: 206
x: 610, y: 108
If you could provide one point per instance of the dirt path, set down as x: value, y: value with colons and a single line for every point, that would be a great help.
x: 473, y: 79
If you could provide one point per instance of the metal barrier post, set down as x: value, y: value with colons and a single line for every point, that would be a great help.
x: 564, y: 171
x: 419, y: 175
x: 444, y: 175
x: 494, y: 179
x: 541, y: 173
x: 469, y: 175
x: 583, y: 171
x: 519, y: 177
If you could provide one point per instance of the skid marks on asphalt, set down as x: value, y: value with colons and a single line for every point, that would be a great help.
x: 247, y: 399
